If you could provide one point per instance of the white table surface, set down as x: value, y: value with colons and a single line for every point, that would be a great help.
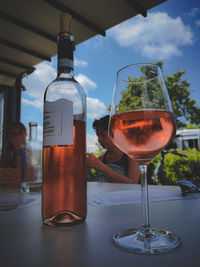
x: 26, y: 242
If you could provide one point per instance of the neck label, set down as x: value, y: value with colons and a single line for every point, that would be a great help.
x: 65, y: 62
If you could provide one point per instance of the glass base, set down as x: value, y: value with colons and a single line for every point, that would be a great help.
x: 154, y: 242
x: 63, y: 218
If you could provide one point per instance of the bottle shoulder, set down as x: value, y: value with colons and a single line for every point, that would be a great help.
x: 59, y: 80
x: 64, y: 86
x: 70, y: 89
x: 64, y: 82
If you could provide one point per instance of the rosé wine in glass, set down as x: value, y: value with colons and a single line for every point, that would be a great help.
x: 142, y: 134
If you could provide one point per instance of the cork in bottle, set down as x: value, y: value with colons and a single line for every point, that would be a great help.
x: 65, y: 23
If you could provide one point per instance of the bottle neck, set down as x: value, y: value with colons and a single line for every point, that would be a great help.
x: 65, y: 65
x: 32, y: 131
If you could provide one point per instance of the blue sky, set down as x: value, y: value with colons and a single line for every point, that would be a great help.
x: 170, y: 32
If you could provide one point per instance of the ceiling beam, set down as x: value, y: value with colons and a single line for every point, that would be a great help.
x: 138, y: 7
x: 76, y: 16
x: 26, y: 72
x: 8, y: 73
x: 14, y: 63
x: 27, y: 26
x: 17, y: 75
x: 23, y: 49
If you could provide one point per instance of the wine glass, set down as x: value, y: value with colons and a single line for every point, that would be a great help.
x: 142, y: 124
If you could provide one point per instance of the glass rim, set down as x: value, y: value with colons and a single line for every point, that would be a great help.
x: 138, y: 64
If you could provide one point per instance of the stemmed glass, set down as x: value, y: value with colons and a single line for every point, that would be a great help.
x: 142, y: 124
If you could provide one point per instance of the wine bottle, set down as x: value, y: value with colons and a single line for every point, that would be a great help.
x: 64, y: 140
x: 33, y: 179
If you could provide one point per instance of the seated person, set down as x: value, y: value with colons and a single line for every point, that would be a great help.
x: 14, y: 164
x: 113, y: 166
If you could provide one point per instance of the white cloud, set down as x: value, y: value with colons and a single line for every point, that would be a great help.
x: 91, y: 143
x: 86, y: 83
x: 95, y: 108
x: 158, y: 36
x: 193, y: 12
x: 165, y: 50
x: 35, y: 103
x: 80, y: 63
x: 37, y: 82
x: 40, y: 132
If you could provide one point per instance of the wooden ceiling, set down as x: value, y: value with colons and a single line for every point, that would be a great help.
x: 28, y: 28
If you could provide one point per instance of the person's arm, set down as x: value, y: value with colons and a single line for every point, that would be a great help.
x: 93, y: 162
x: 133, y: 171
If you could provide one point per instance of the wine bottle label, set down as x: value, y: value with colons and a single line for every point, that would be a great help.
x: 58, y: 122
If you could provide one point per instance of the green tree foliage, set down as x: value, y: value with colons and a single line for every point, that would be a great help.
x: 179, y: 168
x: 191, y: 126
x: 138, y: 95
x: 185, y: 109
x: 99, y: 151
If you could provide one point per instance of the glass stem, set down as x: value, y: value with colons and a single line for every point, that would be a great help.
x: 146, y: 228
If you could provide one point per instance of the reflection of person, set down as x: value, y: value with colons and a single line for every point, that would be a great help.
x: 13, y: 162
x: 113, y: 165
